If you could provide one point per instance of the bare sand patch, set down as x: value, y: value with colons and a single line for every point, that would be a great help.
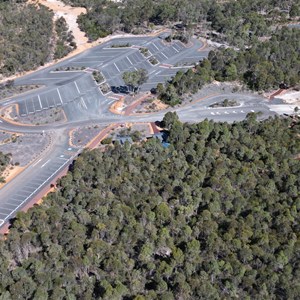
x: 10, y: 173
x: 292, y: 97
x: 70, y: 14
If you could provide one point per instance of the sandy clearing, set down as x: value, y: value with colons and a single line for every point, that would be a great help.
x: 292, y: 97
x: 10, y: 173
x: 69, y: 13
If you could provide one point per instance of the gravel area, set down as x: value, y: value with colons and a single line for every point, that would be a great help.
x: 6, y: 137
x: 26, y: 147
x: 10, y: 91
x: 81, y: 136
x: 52, y: 115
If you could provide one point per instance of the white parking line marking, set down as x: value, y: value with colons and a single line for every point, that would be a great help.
x: 77, y: 87
x: 212, y: 113
x: 234, y: 111
x: 157, y: 72
x: 226, y: 112
x: 59, y: 96
x: 117, y: 67
x: 62, y: 158
x: 155, y: 46
x: 27, y: 189
x: 83, y: 103
x: 9, y: 204
x: 1, y: 121
x: 252, y: 110
x: 175, y: 49
x: 40, y: 101
x: 45, y: 163
x: 129, y: 60
x: 3, y: 208
x: 164, y: 55
x: 242, y: 111
x: 36, y: 162
x: 47, y: 78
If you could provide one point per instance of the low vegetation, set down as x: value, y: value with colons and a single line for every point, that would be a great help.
x: 145, y: 52
x: 125, y: 45
x: 4, y: 161
x: 153, y: 60
x: 68, y: 68
x: 99, y: 78
x: 65, y: 40
x: 8, y: 89
x: 226, y: 103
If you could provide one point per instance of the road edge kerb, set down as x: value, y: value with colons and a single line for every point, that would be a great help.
x: 100, y: 136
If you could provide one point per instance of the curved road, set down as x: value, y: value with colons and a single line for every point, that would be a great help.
x: 84, y: 104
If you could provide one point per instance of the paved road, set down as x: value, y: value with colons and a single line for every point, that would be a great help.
x: 84, y: 104
x: 15, y: 194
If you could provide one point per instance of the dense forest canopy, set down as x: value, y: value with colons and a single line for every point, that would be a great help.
x: 237, y: 22
x: 28, y: 38
x: 25, y: 32
x: 215, y: 215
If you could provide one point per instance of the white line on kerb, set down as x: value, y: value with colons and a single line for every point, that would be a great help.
x: 77, y: 87
x: 117, y: 67
x: 59, y: 96
x: 129, y: 60
x: 45, y: 163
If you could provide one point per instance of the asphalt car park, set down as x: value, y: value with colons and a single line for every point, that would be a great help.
x: 78, y: 93
x: 58, y: 96
x: 46, y: 171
